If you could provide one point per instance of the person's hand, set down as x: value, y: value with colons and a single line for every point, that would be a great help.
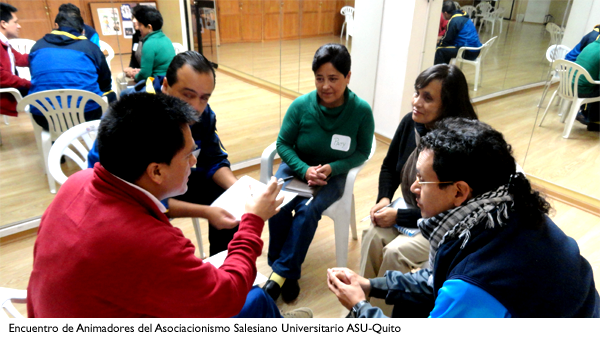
x: 385, y: 218
x: 265, y: 205
x: 349, y: 287
x: 380, y: 205
x: 220, y: 218
x: 316, y: 176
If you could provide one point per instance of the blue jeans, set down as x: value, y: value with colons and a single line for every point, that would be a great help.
x: 290, y: 236
x: 259, y: 305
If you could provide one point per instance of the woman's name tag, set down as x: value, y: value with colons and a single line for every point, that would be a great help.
x: 340, y: 142
x: 135, y: 47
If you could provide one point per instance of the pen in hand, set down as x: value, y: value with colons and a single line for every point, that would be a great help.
x: 378, y: 211
x: 284, y: 179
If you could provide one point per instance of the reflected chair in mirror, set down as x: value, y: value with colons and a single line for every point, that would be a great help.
x: 457, y: 5
x: 348, y: 13
x: 569, y: 73
x: 492, y: 17
x: 482, y: 11
x: 554, y: 52
x: 483, y: 50
x: 7, y: 297
x: 178, y: 48
x: 18, y: 98
x: 75, y: 144
x: 105, y: 47
x: 22, y: 46
x: 342, y: 211
x: 63, y: 109
x: 556, y: 33
x: 469, y: 10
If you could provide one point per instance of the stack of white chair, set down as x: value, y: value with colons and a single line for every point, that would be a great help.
x: 348, y: 13
x: 492, y: 17
x: 483, y: 50
x: 553, y: 53
x: 483, y: 10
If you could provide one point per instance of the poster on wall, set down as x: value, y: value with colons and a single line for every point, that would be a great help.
x: 109, y: 21
x: 151, y: 4
x: 127, y: 16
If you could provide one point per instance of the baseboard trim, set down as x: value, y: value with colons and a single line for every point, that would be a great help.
x: 19, y: 227
x: 274, y: 88
x: 567, y: 196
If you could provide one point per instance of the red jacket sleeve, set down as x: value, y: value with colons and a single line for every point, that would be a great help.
x: 7, y: 78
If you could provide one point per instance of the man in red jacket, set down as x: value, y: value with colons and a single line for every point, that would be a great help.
x: 9, y: 59
x: 105, y: 247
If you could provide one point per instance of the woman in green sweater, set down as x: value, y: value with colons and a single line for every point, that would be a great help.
x: 324, y: 134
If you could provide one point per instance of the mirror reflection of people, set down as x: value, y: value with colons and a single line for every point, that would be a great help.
x: 105, y: 247
x: 309, y: 151
x: 393, y: 241
x: 10, y: 59
x: 586, y: 40
x: 589, y: 59
x: 76, y: 64
x: 495, y: 253
x: 460, y: 32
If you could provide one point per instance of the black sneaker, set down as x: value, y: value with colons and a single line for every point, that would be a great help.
x: 581, y: 118
x: 272, y: 289
x: 290, y: 290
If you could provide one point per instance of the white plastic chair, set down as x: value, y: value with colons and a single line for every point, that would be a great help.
x: 496, y: 15
x: 469, y: 10
x: 7, y: 296
x: 22, y: 46
x: 75, y: 144
x: 457, y: 5
x: 483, y: 50
x: 17, y: 96
x: 178, y: 48
x: 554, y: 52
x: 569, y: 74
x: 61, y: 117
x: 348, y: 13
x: 483, y: 9
x: 556, y: 33
x: 111, y: 53
x: 342, y: 211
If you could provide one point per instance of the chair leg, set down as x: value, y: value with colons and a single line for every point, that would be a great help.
x: 5, y: 119
x: 198, y: 232
x: 546, y: 86
x: 353, y: 220
x: 476, y: 76
x: 342, y: 31
x: 341, y: 228
x: 46, y: 145
x: 572, y: 114
x: 547, y: 107
x: 563, y: 110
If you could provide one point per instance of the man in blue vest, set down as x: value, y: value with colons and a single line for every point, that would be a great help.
x: 494, y: 252
x: 191, y: 78
x: 460, y: 32
x: 89, y: 32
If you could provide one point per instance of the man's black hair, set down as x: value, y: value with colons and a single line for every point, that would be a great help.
x: 448, y: 7
x: 336, y: 54
x: 196, y: 60
x: 141, y: 129
x: 139, y: 9
x: 69, y: 19
x: 150, y: 16
x: 69, y: 8
x: 472, y: 151
x: 6, y: 11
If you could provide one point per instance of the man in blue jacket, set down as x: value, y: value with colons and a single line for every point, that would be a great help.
x: 460, y: 32
x: 586, y: 40
x: 494, y: 252
x: 191, y: 78
x: 89, y: 32
x: 65, y: 59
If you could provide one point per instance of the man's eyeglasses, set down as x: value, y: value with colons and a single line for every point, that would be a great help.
x: 421, y: 182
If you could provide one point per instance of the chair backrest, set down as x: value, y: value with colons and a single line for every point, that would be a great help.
x: 22, y: 46
x: 63, y: 108
x: 557, y: 52
x: 569, y: 73
x: 85, y: 132
x: 7, y: 296
x: 468, y: 9
x: 484, y: 7
x: 457, y: 5
x: 178, y: 48
x: 111, y: 53
x: 486, y: 47
x: 555, y: 33
x: 498, y: 13
x: 346, y: 11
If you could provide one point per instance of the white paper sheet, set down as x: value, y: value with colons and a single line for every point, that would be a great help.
x: 218, y: 259
x: 234, y: 199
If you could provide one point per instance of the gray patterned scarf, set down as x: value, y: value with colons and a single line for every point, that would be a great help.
x: 457, y: 222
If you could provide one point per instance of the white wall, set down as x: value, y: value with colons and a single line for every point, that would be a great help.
x: 585, y: 14
x: 537, y: 10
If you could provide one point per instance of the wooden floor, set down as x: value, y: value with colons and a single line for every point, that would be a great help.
x: 16, y: 252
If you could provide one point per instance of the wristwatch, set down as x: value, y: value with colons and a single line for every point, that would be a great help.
x: 358, y: 306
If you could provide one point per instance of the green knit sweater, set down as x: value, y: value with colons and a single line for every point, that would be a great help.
x: 157, y: 53
x: 589, y: 58
x: 312, y: 134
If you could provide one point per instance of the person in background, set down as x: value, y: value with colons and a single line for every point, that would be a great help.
x: 324, y: 134
x: 460, y: 32
x: 76, y: 64
x: 105, y: 247
x: 10, y: 59
x: 89, y: 32
x: 157, y: 48
x: 589, y: 59
x: 129, y: 72
x: 443, y: 27
x: 494, y: 252
x: 190, y: 77
x: 586, y: 40
x: 393, y: 241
